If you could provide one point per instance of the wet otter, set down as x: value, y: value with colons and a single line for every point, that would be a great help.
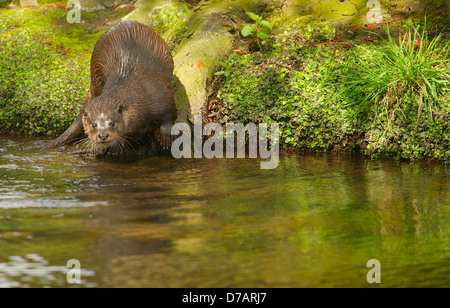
x: 130, y: 93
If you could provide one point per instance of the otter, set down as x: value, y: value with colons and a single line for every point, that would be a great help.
x: 130, y: 93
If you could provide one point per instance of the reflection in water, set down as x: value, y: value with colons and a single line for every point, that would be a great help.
x: 159, y: 222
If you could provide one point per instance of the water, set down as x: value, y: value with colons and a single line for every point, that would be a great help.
x: 315, y: 221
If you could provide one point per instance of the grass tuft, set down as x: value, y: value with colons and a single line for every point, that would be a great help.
x: 413, y: 72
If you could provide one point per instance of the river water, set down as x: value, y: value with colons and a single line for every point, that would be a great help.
x: 315, y: 221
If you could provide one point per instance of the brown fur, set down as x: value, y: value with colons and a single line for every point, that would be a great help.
x: 130, y: 92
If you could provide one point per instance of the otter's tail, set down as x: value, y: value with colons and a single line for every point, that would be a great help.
x: 72, y: 134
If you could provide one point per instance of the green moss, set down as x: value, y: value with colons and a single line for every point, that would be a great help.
x: 348, y: 11
x: 39, y: 92
x: 410, y: 137
x: 290, y: 86
x: 44, y: 82
x: 170, y: 17
x: 49, y: 26
x: 290, y: 83
x: 302, y: 29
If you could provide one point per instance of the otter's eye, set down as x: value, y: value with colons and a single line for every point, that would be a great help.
x: 94, y: 125
x: 112, y: 124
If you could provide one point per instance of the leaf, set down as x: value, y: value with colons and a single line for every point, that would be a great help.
x: 253, y: 16
x: 266, y: 25
x: 223, y: 64
x: 248, y: 30
x: 219, y: 73
x: 262, y: 35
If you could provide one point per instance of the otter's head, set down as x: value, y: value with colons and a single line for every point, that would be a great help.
x: 103, y: 126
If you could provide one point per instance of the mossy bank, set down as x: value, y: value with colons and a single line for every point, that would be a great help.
x: 293, y: 72
x: 299, y: 77
x: 44, y: 67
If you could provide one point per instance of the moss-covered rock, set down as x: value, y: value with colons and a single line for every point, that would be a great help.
x: 40, y: 93
x: 44, y: 68
x: 290, y: 85
x: 206, y: 41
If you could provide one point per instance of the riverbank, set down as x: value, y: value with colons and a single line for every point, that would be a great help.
x: 296, y: 74
x: 315, y: 80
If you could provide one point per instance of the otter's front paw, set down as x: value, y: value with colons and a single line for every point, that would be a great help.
x: 165, y: 137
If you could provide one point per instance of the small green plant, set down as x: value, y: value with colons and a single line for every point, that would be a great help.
x: 226, y: 71
x: 261, y: 28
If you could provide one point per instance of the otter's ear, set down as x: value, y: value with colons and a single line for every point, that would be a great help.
x: 85, y: 114
x: 121, y: 109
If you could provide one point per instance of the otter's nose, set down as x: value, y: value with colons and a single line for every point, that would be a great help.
x: 103, y: 137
